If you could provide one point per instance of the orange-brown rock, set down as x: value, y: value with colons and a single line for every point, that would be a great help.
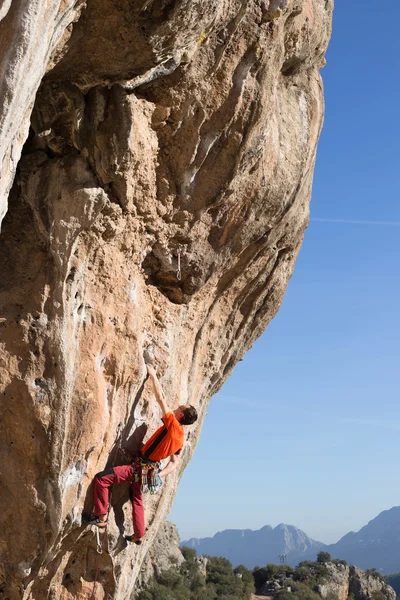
x: 162, y: 132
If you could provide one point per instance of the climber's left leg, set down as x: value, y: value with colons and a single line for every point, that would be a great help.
x: 102, y: 482
x: 137, y: 513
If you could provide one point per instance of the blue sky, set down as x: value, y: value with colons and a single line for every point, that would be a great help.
x: 316, y: 400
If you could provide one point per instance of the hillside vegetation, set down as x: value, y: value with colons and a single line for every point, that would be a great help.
x: 219, y: 581
x: 212, y: 578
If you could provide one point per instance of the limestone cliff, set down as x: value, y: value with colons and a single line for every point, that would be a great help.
x: 339, y: 582
x: 136, y: 137
x: 164, y: 554
x: 349, y: 580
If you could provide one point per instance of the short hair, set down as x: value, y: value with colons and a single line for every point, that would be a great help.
x: 189, y: 415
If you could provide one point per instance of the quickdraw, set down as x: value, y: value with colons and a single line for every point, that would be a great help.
x: 308, y: 34
x: 99, y: 550
x: 179, y: 272
x: 147, y: 472
x: 99, y: 546
x: 264, y: 179
x: 13, y: 162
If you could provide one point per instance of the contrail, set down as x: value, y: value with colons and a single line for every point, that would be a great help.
x: 357, y: 222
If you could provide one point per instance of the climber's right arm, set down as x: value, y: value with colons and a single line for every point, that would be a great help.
x: 158, y: 392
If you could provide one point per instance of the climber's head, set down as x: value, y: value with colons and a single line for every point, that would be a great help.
x: 186, y: 414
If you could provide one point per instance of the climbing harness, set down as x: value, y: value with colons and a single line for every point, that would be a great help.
x: 147, y: 472
x: 179, y: 273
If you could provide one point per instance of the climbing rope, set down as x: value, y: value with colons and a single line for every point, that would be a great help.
x: 100, y: 543
x: 179, y: 273
x: 99, y: 550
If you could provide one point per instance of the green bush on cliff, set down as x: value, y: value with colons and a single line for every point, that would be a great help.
x: 233, y: 584
x: 323, y: 557
x: 377, y: 595
x: 339, y: 561
x: 170, y: 586
x: 311, y: 572
x: 270, y: 573
x: 374, y: 573
x: 299, y: 591
x: 189, y: 583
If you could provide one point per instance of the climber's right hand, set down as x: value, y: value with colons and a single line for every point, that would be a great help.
x: 151, y: 371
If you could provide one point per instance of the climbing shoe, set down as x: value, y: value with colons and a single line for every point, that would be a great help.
x: 96, y: 521
x: 133, y: 539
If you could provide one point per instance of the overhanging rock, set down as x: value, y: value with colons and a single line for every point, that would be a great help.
x: 159, y: 131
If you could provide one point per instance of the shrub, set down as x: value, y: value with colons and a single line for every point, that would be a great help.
x: 145, y: 595
x: 331, y: 596
x: 263, y: 574
x: 311, y: 572
x: 374, y: 573
x: 188, y: 553
x: 284, y: 595
x: 323, y: 557
x: 377, y: 595
x: 302, y: 573
x: 300, y: 591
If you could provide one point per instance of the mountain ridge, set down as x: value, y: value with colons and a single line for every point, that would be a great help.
x: 373, y: 546
x: 257, y: 546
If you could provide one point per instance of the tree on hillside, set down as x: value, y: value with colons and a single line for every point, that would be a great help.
x: 246, y: 580
x: 302, y: 573
x: 339, y: 561
x: 188, y: 553
x: 299, y: 591
x: 323, y: 557
x: 189, y: 583
x: 271, y: 572
x: 311, y: 572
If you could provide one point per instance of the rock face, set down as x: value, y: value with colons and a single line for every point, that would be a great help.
x: 340, y: 583
x: 344, y: 580
x: 159, y: 200
x: 251, y: 548
x: 337, y: 584
x: 164, y: 554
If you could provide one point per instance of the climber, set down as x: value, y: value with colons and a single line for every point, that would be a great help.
x: 145, y: 471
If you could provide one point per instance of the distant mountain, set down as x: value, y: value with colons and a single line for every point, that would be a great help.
x: 251, y: 548
x: 377, y: 545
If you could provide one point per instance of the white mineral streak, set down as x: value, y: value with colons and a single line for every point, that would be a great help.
x: 29, y: 32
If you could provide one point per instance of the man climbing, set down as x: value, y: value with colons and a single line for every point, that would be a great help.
x: 166, y: 442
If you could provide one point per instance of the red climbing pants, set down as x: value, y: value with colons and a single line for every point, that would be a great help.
x: 123, y: 474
